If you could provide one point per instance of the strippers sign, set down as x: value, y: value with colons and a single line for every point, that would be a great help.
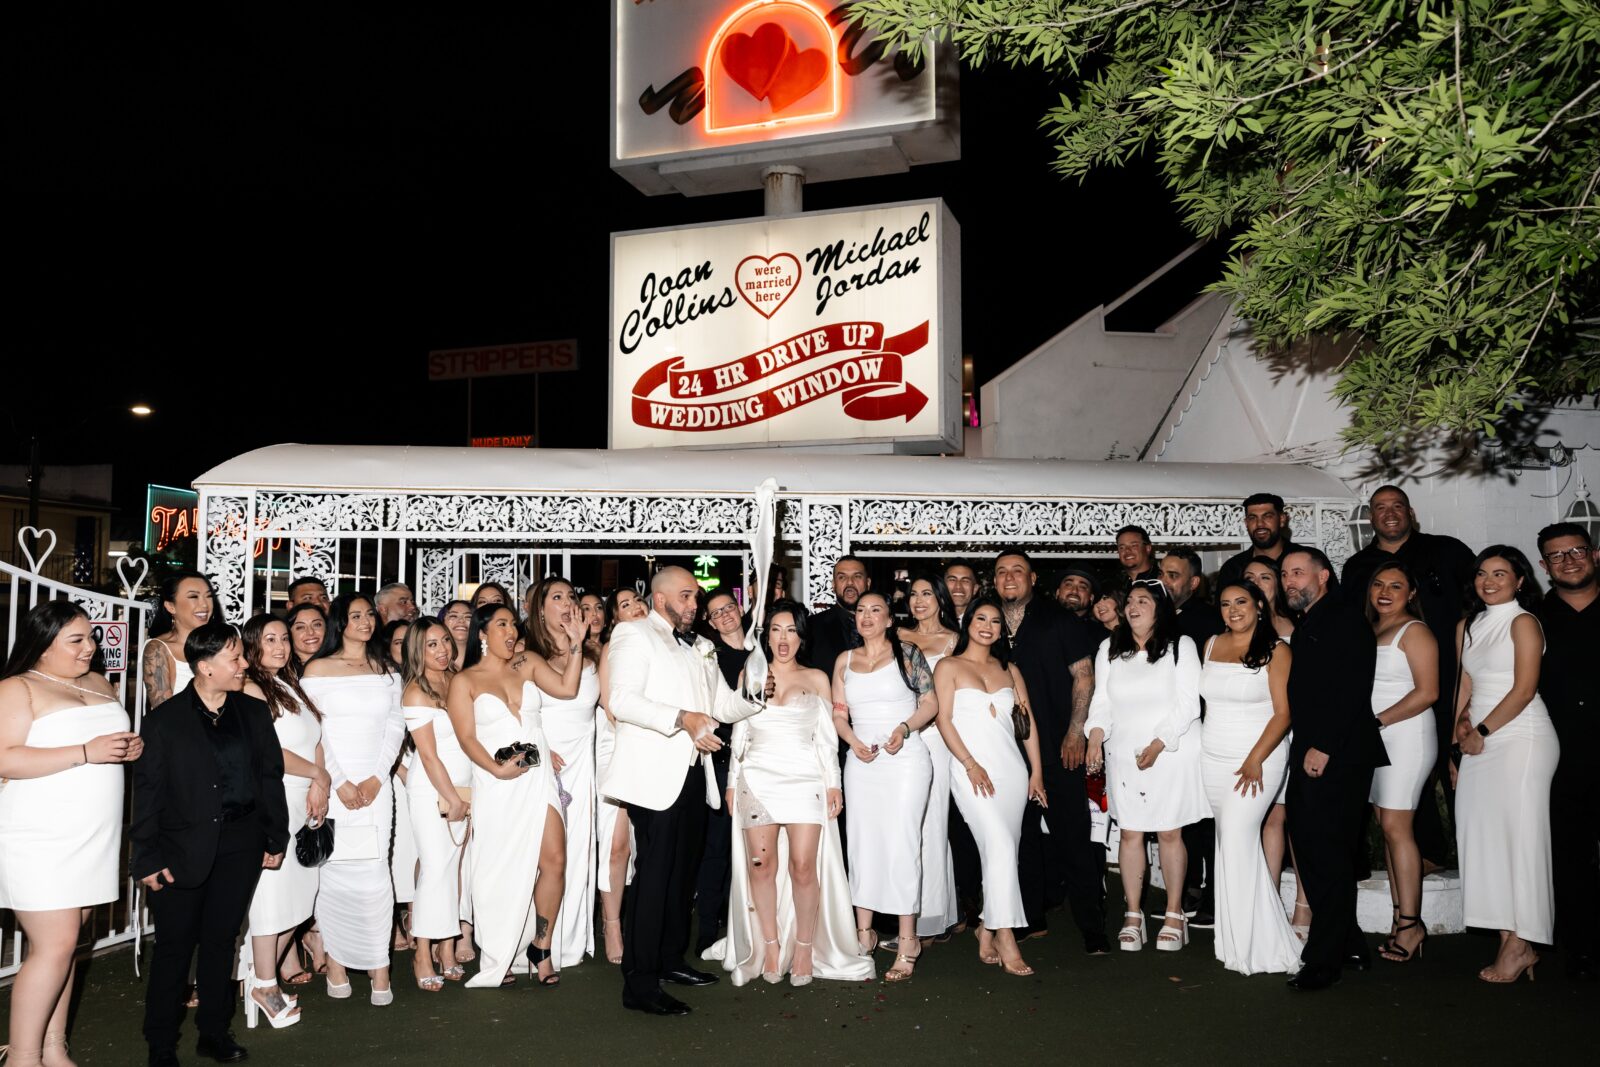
x: 834, y: 327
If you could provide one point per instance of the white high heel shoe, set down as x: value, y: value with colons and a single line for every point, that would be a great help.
x: 254, y: 1009
x: 800, y: 979
x: 1131, y: 938
x: 771, y: 977
x: 1173, y: 938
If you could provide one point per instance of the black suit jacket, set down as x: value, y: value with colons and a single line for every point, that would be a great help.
x: 177, y: 801
x: 1330, y: 687
x: 1233, y: 569
x: 830, y: 632
x: 1044, y: 649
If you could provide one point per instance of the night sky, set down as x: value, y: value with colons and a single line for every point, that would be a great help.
x: 260, y: 220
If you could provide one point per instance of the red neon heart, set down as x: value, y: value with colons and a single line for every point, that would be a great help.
x: 800, y: 73
x: 753, y: 60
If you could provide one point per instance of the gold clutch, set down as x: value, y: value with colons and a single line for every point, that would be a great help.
x: 465, y: 792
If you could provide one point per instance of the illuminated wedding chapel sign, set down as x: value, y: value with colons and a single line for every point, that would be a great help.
x: 838, y: 327
x: 707, y: 93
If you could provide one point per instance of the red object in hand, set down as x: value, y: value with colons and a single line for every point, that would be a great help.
x: 1096, y: 783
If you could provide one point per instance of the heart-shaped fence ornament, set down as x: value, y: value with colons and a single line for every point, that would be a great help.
x: 37, y: 537
x: 130, y: 586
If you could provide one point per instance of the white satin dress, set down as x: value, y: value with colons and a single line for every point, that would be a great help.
x: 885, y: 800
x: 1412, y: 744
x: 1503, y: 794
x: 607, y: 811
x: 286, y: 896
x: 940, y: 906
x: 570, y: 727
x: 783, y: 762
x: 508, y: 830
x: 362, y: 728
x: 1252, y: 932
x: 983, y: 720
x: 436, y: 906
x: 61, y: 835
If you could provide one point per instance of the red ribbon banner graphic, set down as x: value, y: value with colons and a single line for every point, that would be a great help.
x: 868, y: 380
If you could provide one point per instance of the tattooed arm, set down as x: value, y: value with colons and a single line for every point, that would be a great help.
x: 157, y: 674
x: 1073, y: 746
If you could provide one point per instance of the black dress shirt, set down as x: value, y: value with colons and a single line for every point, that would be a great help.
x: 730, y: 661
x: 1233, y: 569
x: 1199, y: 620
x: 1044, y: 648
x: 1330, y: 687
x: 832, y: 631
x: 235, y: 785
x: 1568, y: 680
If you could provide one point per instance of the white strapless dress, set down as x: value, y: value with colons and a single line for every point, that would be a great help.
x: 436, y: 905
x: 885, y: 800
x: 983, y: 720
x: 60, y: 835
x: 569, y: 726
x: 508, y: 830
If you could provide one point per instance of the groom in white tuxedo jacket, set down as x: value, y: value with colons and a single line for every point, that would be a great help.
x: 667, y: 695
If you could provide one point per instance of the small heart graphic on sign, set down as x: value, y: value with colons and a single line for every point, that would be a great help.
x: 132, y: 582
x: 767, y: 282
x: 31, y: 539
x: 767, y: 65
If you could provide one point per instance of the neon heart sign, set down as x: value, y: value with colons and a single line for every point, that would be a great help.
x: 770, y: 63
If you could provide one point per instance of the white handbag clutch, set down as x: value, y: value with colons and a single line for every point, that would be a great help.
x: 356, y: 843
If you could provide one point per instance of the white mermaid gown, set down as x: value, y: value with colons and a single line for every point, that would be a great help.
x: 508, y: 831
x: 1252, y: 933
x: 362, y: 728
x: 570, y: 727
x: 886, y: 799
x: 439, y: 845
x: 61, y: 835
x: 286, y: 896
x: 784, y: 761
x: 983, y: 720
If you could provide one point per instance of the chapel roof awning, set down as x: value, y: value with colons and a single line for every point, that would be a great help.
x: 346, y: 468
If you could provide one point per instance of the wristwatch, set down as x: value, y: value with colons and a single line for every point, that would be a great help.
x: 1483, y: 730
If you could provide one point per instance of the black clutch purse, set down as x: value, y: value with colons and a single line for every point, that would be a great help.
x: 313, y: 845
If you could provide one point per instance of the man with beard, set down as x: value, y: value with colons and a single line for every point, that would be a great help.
x: 962, y: 582
x: 1444, y: 568
x: 1568, y: 683
x: 1136, y: 555
x: 834, y: 630
x: 1336, y: 747
x: 1076, y: 591
x: 1056, y: 659
x: 1267, y: 525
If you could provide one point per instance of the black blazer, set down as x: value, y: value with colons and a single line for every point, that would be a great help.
x: 1330, y: 687
x: 177, y: 802
x: 830, y: 632
x: 1044, y: 649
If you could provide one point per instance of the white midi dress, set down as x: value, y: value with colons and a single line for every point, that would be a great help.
x: 886, y: 799
x: 286, y: 896
x: 1412, y: 744
x: 983, y: 721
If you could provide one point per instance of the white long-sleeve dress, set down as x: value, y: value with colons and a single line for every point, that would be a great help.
x: 362, y: 728
x: 784, y: 761
x: 436, y: 906
x: 569, y: 725
x: 1137, y: 702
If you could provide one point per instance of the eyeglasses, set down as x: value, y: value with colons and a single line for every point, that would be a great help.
x: 726, y: 609
x: 1575, y: 553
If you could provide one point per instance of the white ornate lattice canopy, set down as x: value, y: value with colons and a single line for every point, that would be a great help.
x: 407, y: 513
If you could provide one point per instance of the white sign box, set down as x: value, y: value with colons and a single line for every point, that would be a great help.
x: 707, y: 93
x: 832, y: 327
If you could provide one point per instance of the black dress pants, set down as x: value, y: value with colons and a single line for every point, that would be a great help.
x: 1200, y: 841
x: 207, y: 915
x: 655, y: 931
x: 1325, y: 820
x: 1574, y: 824
x: 1065, y: 862
x: 716, y: 865
x: 969, y: 868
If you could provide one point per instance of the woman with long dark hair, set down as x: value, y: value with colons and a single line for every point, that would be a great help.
x: 1244, y: 756
x: 882, y: 697
x: 1265, y: 574
x: 1144, y: 727
x: 980, y: 696
x: 789, y: 900
x: 613, y: 832
x: 353, y: 683
x: 594, y: 621
x: 519, y: 851
x: 558, y: 630
x: 285, y: 895
x: 308, y: 629
x: 934, y: 631
x: 63, y: 738
x: 184, y: 602
x: 492, y: 593
x: 1404, y: 687
x: 457, y: 617
x: 438, y: 785
x: 1508, y: 758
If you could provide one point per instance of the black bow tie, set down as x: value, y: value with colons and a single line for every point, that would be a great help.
x: 686, y: 638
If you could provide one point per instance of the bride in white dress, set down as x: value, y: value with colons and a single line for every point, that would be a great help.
x: 882, y: 698
x: 1244, y: 758
x: 789, y: 901
x: 1509, y: 754
x: 556, y: 631
x: 988, y: 779
x: 352, y: 683
x: 63, y: 739
x: 519, y: 847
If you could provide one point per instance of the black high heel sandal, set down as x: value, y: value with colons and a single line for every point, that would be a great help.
x: 1391, y: 949
x: 536, y: 956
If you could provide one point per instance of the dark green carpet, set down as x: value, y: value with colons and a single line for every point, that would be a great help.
x: 1144, y: 1008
